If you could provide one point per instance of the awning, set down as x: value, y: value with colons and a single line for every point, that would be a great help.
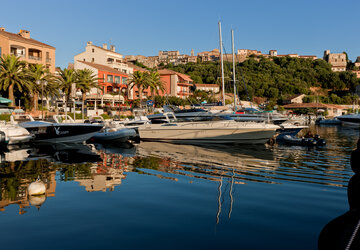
x: 4, y: 100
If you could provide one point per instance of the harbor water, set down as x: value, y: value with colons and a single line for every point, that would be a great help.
x: 156, y: 195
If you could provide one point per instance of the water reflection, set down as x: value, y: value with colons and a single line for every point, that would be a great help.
x: 97, y: 167
x: 15, y: 178
x: 343, y: 232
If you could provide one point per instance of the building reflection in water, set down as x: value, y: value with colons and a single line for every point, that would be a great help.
x: 15, y: 177
x: 343, y: 232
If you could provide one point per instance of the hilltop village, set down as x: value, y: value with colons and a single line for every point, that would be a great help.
x: 108, y: 81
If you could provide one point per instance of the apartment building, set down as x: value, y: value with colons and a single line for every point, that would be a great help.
x: 207, y: 56
x: 112, y: 83
x: 28, y: 49
x: 248, y: 52
x: 337, y: 60
x: 168, y: 56
x: 176, y: 84
x: 103, y: 56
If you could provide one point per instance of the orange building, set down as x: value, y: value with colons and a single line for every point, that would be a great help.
x: 176, y: 84
x: 111, y: 81
x: 28, y: 49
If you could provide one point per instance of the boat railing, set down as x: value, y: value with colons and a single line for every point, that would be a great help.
x: 63, y: 119
x: 16, y: 118
x: 168, y: 116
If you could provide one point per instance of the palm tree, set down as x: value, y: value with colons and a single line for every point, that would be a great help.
x: 85, y: 81
x: 156, y: 83
x: 65, y: 81
x: 39, y: 74
x: 13, y: 75
x: 141, y: 81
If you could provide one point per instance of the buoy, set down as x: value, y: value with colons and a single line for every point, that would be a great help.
x: 37, y: 200
x: 36, y: 188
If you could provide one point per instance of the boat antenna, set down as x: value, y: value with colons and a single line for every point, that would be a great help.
x: 233, y: 60
x: 222, y: 65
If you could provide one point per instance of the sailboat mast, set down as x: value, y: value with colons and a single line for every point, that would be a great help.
x: 233, y: 59
x: 222, y: 65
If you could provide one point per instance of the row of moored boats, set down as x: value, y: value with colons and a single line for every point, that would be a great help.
x: 191, y: 126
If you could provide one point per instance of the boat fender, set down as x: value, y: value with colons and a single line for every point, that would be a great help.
x: 37, y: 188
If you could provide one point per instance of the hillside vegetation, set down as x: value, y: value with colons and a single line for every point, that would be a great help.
x: 277, y: 78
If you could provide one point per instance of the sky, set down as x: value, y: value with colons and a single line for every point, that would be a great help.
x: 143, y: 27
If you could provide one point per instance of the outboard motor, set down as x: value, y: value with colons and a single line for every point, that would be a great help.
x: 2, y: 138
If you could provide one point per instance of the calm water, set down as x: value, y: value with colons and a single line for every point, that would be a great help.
x: 165, y: 196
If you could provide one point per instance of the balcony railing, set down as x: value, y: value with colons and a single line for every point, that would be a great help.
x: 48, y: 60
x: 18, y: 54
x: 35, y: 58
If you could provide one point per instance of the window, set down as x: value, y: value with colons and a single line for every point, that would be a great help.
x: 117, y: 79
x: 110, y: 78
x: 47, y: 55
x: 93, y: 50
x: 124, y: 80
x: 84, y: 59
x: 93, y: 60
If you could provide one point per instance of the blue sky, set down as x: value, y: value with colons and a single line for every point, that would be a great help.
x: 146, y: 26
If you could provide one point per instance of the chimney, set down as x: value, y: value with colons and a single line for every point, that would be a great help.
x: 112, y: 48
x: 24, y: 34
x: 2, y: 29
x: 104, y: 46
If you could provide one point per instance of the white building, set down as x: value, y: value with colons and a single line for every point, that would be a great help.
x: 208, y: 87
x: 104, y: 56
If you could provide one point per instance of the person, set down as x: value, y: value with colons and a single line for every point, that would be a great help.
x: 309, y: 134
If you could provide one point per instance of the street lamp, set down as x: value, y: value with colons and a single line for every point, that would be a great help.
x: 42, y: 100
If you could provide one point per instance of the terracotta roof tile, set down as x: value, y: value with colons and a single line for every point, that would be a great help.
x: 172, y: 72
x: 104, y: 68
x: 16, y: 37
x: 311, y: 105
x: 207, y: 85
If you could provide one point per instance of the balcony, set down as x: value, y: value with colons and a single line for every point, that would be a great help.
x: 17, y: 54
x: 17, y: 50
x: 48, y: 60
x: 183, y: 93
x: 35, y: 54
x: 35, y: 58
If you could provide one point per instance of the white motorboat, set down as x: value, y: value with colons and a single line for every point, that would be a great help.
x: 15, y: 134
x: 222, y: 131
x: 112, y: 134
x: 57, y: 132
x: 351, y: 120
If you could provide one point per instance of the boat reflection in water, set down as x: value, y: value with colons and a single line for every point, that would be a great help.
x: 207, y: 162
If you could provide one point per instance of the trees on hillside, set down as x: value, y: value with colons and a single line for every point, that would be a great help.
x: 261, y: 76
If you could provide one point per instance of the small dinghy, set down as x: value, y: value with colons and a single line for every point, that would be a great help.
x: 292, y: 140
x: 113, y: 134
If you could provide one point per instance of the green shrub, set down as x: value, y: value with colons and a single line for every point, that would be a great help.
x: 5, y: 117
x: 105, y: 116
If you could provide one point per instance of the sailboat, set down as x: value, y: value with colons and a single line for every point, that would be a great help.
x: 215, y: 131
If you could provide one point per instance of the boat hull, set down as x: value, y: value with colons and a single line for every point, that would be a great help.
x: 61, y: 133
x: 121, y: 135
x: 206, y: 134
